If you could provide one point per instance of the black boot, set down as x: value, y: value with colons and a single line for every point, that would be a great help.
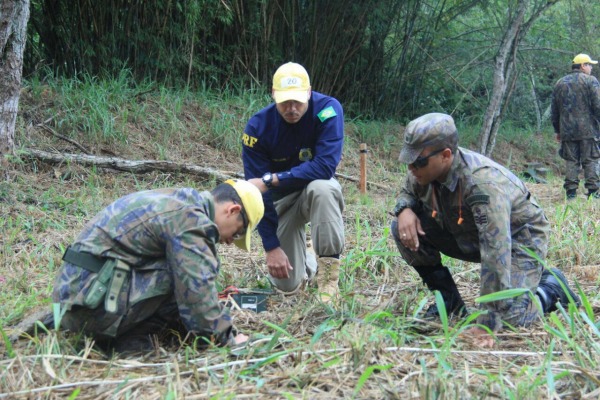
x: 593, y: 194
x: 571, y: 194
x: 142, y: 337
x: 132, y: 344
x: 550, y: 291
x: 439, y: 278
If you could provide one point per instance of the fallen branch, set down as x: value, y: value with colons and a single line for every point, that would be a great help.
x: 120, y: 164
x: 44, y: 125
x: 143, y: 166
x: 66, y: 139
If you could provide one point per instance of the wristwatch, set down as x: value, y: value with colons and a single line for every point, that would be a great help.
x: 267, y: 179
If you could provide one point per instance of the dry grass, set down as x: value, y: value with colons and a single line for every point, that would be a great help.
x: 369, y: 346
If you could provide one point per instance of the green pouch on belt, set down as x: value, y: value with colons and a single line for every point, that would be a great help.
x: 120, y: 277
x: 99, y: 286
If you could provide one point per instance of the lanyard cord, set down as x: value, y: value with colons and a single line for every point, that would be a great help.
x: 460, y: 218
x: 435, y: 207
x: 434, y: 212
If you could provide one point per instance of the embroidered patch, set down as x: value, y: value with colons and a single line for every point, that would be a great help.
x: 478, y: 199
x: 326, y: 113
x: 249, y: 140
x: 480, y: 216
x: 305, y: 154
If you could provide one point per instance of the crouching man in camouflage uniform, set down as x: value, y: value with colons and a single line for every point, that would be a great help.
x: 149, y: 261
x: 468, y: 207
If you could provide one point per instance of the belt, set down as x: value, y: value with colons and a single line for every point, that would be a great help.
x: 84, y: 260
x: 113, y: 275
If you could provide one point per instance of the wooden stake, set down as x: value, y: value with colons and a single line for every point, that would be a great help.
x: 363, y: 168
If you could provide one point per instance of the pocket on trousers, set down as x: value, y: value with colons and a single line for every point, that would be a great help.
x: 595, y: 150
x: 569, y: 151
x: 96, y: 294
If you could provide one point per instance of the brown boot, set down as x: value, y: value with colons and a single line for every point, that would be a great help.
x: 328, y: 274
x: 309, y: 245
x: 311, y: 262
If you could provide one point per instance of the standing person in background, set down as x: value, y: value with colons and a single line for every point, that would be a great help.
x: 148, y: 262
x: 290, y: 151
x: 576, y: 121
x: 468, y: 207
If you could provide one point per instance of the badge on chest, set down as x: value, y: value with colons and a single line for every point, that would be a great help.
x: 305, y: 154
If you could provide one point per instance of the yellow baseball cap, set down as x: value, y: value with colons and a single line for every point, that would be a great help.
x: 254, y: 208
x: 583, y: 59
x: 291, y: 82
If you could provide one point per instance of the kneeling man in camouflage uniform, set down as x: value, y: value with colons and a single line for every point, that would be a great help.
x: 466, y: 206
x: 149, y: 261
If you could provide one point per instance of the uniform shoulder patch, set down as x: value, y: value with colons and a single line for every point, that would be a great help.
x: 478, y: 199
x: 326, y: 113
x: 480, y: 216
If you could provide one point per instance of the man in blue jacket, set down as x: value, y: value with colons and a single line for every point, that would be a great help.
x: 290, y: 151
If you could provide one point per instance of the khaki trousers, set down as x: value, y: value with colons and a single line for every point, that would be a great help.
x: 321, y: 204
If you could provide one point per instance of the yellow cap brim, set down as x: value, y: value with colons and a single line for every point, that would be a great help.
x: 285, y: 95
x: 252, y: 202
x: 244, y: 242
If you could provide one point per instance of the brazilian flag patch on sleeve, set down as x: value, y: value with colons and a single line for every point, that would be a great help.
x: 326, y: 113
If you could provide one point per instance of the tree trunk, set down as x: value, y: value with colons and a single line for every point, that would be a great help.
x: 505, y: 66
x: 14, y: 15
x: 536, y: 103
x: 501, y: 75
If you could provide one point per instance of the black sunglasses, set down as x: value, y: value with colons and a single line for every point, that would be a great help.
x: 421, y: 162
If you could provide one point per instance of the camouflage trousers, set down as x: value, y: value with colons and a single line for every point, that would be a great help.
x: 148, y: 293
x: 578, y: 155
x: 517, y: 311
x: 103, y: 325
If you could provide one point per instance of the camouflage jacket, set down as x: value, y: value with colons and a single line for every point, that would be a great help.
x: 168, y: 238
x: 576, y: 107
x: 500, y: 220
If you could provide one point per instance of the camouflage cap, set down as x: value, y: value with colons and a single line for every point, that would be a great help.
x: 427, y: 130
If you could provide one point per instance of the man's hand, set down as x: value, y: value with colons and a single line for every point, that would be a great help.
x: 240, y: 338
x: 259, y: 184
x: 479, y: 337
x: 278, y: 263
x: 409, y: 229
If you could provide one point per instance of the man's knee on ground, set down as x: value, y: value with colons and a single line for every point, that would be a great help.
x: 287, y: 285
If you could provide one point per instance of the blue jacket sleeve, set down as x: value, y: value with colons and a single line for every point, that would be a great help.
x: 256, y: 162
